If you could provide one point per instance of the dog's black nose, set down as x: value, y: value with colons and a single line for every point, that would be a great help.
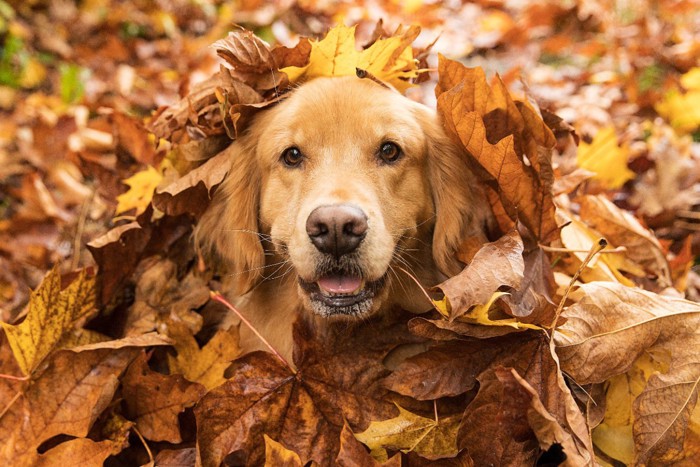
x: 337, y: 229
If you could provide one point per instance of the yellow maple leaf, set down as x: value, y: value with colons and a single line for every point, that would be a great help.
x: 606, y: 159
x: 206, y: 365
x: 410, y: 432
x: 682, y: 109
x: 142, y: 185
x: 51, y: 318
x: 390, y: 60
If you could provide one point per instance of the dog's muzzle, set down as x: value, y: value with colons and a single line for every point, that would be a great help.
x: 337, y: 231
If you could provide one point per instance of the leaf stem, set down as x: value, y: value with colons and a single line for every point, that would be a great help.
x: 595, y: 249
x: 145, y: 445
x: 422, y: 289
x: 14, y: 378
x: 221, y: 299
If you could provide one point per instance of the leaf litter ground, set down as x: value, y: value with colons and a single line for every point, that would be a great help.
x: 131, y: 362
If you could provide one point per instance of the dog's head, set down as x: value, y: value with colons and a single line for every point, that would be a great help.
x: 343, y: 181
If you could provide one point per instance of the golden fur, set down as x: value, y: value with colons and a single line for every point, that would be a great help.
x: 418, y: 209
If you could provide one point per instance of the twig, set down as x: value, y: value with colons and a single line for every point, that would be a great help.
x: 14, y: 378
x: 422, y: 289
x: 596, y: 248
x: 10, y: 404
x: 551, y: 249
x: 362, y: 74
x: 75, y: 261
x: 145, y: 445
x: 221, y: 299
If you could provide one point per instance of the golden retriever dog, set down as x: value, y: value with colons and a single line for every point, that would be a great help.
x: 332, y: 195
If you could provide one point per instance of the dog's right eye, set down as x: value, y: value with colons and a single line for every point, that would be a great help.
x: 292, y: 157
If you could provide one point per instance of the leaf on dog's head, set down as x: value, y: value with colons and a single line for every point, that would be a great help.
x: 390, y: 60
x: 508, y: 139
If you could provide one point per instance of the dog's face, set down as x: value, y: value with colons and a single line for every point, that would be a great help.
x: 346, y: 180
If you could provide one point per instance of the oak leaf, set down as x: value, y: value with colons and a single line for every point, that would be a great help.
x: 154, y: 401
x: 53, y: 314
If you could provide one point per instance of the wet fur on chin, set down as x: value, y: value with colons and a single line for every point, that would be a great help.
x: 419, y: 209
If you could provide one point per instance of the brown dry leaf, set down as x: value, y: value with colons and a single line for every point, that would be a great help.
x: 548, y: 431
x: 507, y: 139
x: 620, y: 228
x: 131, y: 136
x: 609, y: 329
x: 53, y: 313
x: 154, y: 401
x: 352, y: 453
x: 497, y: 264
x: 79, y: 452
x: 61, y: 401
x: 191, y: 193
x: 176, y: 458
x: 442, y: 330
x: 208, y: 364
x: 338, y: 380
x: 277, y: 455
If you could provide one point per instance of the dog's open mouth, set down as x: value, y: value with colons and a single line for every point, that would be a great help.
x: 338, y: 293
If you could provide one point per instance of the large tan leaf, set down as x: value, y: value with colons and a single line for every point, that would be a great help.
x: 621, y: 228
x: 79, y: 452
x: 495, y: 265
x: 609, y: 329
x: 53, y: 313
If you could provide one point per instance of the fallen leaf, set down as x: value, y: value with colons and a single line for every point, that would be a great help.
x: 352, y: 453
x: 60, y: 402
x: 389, y: 59
x: 681, y: 108
x: 277, y: 455
x: 52, y: 314
x: 432, y: 439
x: 141, y: 188
x: 497, y: 264
x: 154, y: 401
x: 78, y: 452
x: 620, y: 228
x: 208, y: 364
x: 508, y: 140
x: 605, y: 158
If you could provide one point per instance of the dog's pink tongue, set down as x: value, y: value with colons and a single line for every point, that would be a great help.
x: 340, y: 284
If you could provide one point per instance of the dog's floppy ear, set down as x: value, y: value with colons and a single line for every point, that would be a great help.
x: 229, y: 228
x: 461, y: 209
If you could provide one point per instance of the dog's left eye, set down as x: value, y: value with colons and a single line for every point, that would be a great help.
x: 292, y: 157
x: 389, y: 152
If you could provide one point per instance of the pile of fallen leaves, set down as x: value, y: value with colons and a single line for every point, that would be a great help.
x: 565, y: 340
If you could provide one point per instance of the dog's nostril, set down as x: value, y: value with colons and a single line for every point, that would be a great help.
x: 337, y: 229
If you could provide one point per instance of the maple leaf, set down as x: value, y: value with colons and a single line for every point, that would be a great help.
x: 154, y: 401
x: 390, y: 60
x: 352, y: 453
x: 141, y: 187
x: 206, y: 365
x: 432, y: 439
x: 507, y: 139
x: 338, y: 380
x: 60, y: 401
x: 53, y: 314
x: 605, y: 158
x: 682, y: 108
